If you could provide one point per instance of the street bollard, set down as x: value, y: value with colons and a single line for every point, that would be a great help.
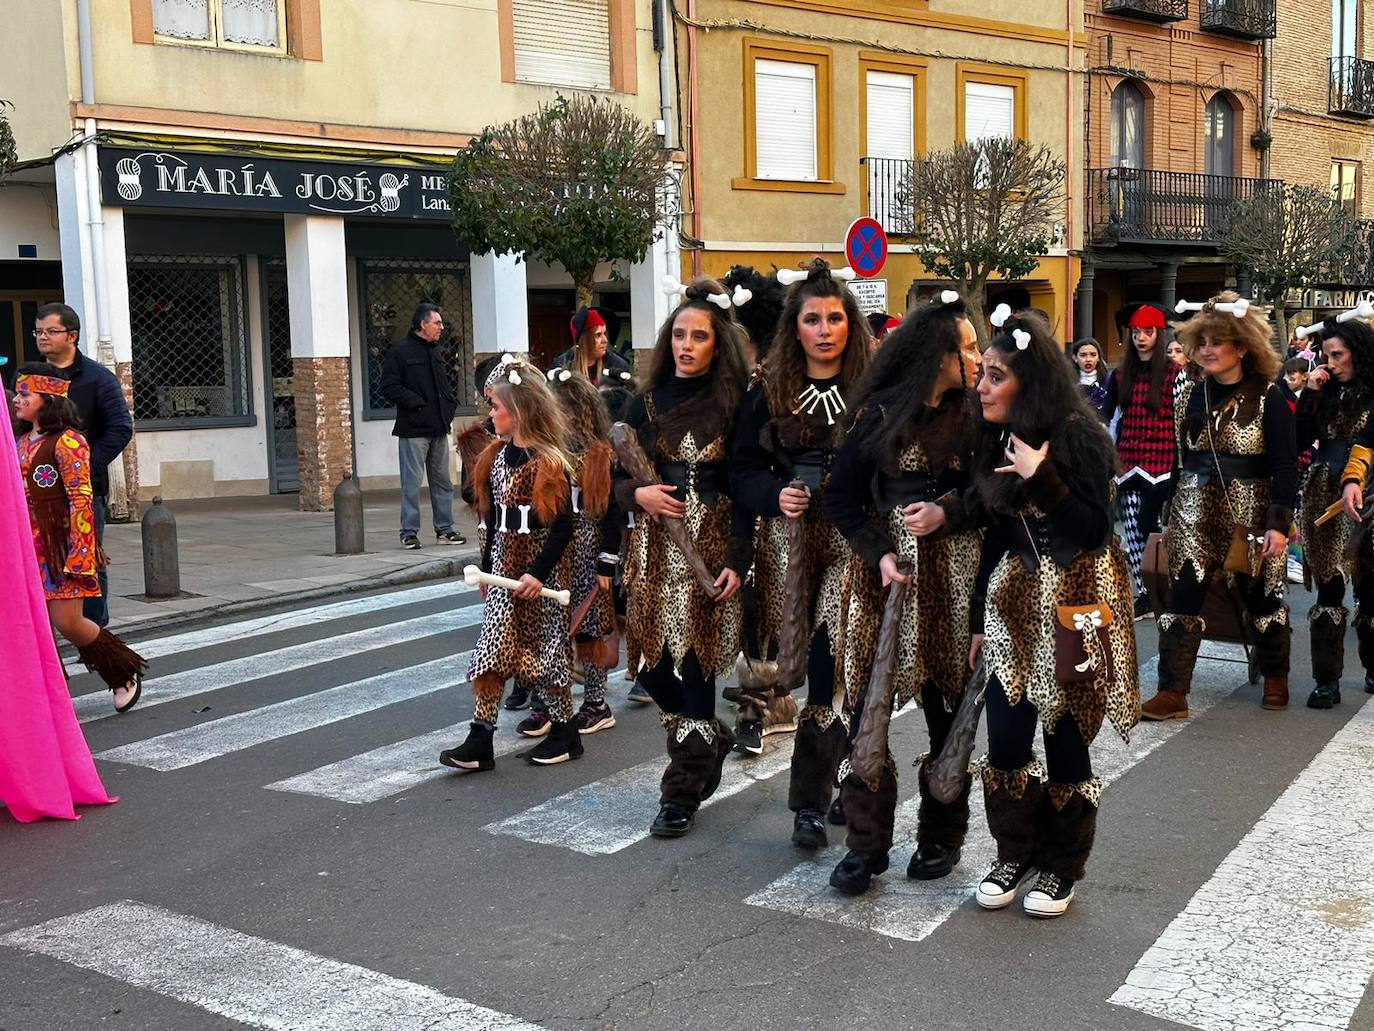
x: 161, y: 564
x: 348, y: 517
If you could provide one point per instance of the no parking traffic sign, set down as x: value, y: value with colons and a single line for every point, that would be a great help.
x: 865, y: 247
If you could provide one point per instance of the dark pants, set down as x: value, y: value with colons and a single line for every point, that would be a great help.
x: 693, y: 694
x: 97, y: 610
x: 1011, y: 739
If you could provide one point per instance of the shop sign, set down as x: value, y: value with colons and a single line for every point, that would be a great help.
x: 871, y: 294
x: 241, y: 182
x: 1343, y: 300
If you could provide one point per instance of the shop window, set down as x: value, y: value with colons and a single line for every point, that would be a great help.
x: 787, y: 119
x: 190, y: 352
x: 233, y: 24
x: 563, y: 42
x: 389, y: 292
x: 1128, y: 126
x: 991, y: 104
x: 1345, y: 185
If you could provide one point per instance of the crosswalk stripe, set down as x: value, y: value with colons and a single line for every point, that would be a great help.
x: 175, y: 686
x: 394, y: 768
x: 614, y: 813
x: 910, y: 910
x: 241, y: 977
x: 243, y: 629
x: 190, y: 746
x: 1281, y: 935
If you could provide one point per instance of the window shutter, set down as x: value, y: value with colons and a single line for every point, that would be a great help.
x: 182, y: 19
x: 989, y: 111
x: 891, y: 115
x: 563, y: 42
x: 785, y: 120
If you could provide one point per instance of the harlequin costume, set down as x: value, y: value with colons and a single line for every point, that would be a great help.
x: 772, y: 449
x: 1054, y: 602
x: 865, y: 499
x: 56, y: 472
x: 685, y: 637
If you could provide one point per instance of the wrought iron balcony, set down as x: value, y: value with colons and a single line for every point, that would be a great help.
x: 1244, y: 19
x: 1357, y: 271
x: 1352, y: 87
x: 889, y: 187
x: 1149, y: 10
x: 1136, y: 205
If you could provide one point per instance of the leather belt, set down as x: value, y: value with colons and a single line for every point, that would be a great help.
x: 810, y: 466
x: 708, y: 480
x: 1232, y: 467
x: 901, y: 489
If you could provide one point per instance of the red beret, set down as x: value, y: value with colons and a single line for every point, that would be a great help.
x: 1147, y: 316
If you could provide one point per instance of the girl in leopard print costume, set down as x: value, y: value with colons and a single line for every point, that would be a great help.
x: 523, y: 492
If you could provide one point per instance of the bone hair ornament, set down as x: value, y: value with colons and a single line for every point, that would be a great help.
x: 1186, y: 306
x: 1239, y: 308
x: 721, y: 301
x: 999, y: 315
x: 514, y: 378
x: 474, y: 576
x: 1022, y: 339
x: 1303, y: 332
x: 790, y: 276
x: 673, y: 287
x: 561, y: 375
x: 950, y: 296
x: 1364, y: 310
x: 622, y: 374
x: 741, y: 296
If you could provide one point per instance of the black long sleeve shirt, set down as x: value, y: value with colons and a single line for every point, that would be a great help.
x: 756, y: 477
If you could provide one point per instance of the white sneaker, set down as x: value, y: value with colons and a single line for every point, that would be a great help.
x: 998, y: 889
x: 1049, y: 896
x: 1294, y: 570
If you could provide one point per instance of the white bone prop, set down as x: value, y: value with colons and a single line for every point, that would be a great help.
x: 1022, y: 339
x: 1183, y: 306
x: 1238, y: 308
x: 950, y: 296
x: 845, y: 274
x: 788, y: 276
x: 1303, y: 332
x: 672, y: 287
x: 1364, y: 311
x: 561, y: 375
x: 475, y: 576
x: 741, y: 296
x: 721, y: 301
x: 1000, y: 314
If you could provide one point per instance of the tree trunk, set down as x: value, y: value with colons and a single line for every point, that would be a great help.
x: 1281, y: 322
x: 585, y: 286
x: 973, y: 301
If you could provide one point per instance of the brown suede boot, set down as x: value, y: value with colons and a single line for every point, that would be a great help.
x: 1273, y: 647
x: 1275, y: 693
x: 1165, y: 705
x: 1179, y: 639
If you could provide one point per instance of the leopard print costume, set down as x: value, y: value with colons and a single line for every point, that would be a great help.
x: 1324, y: 547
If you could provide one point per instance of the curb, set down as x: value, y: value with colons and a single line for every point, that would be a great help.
x: 439, y: 569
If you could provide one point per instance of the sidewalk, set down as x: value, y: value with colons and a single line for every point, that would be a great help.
x: 247, y: 552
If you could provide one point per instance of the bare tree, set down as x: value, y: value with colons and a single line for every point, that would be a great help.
x: 9, y: 152
x: 982, y: 209
x: 579, y: 182
x: 1285, y: 237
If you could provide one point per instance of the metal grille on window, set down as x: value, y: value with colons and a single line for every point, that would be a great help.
x: 281, y: 393
x: 390, y: 291
x: 182, y: 19
x: 253, y: 22
x: 190, y: 357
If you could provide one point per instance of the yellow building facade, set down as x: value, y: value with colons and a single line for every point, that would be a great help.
x: 799, y: 117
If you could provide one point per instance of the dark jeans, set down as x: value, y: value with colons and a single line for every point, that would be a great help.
x: 97, y: 610
x: 693, y: 694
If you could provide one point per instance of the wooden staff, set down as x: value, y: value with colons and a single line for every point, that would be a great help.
x: 794, y: 635
x: 475, y: 576
x: 947, y: 771
x: 635, y: 462
x: 869, y: 753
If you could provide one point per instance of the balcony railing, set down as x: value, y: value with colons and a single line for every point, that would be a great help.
x: 1352, y: 87
x: 1136, y: 205
x: 888, y: 199
x: 1149, y: 10
x: 1245, y: 19
x: 1357, y: 270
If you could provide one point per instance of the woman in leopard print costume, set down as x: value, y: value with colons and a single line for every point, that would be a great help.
x: 789, y: 426
x: 910, y: 445
x: 521, y: 480
x: 1051, y: 614
x: 683, y: 420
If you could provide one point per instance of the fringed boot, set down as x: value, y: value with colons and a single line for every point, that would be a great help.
x: 116, y: 663
x: 1327, y: 625
x: 1274, y: 641
x: 815, y: 760
x: 940, y: 828
x: 869, y: 811
x: 696, y: 755
x: 1067, y: 819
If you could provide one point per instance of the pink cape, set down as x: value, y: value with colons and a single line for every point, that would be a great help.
x: 45, y: 764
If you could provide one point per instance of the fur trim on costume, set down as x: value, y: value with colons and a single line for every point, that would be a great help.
x: 1013, y: 782
x: 869, y: 811
x: 1090, y: 790
x: 815, y: 760
x: 595, y: 479
x: 481, y: 474
x: 941, y: 823
x: 112, y: 660
x: 550, y: 490
x: 1012, y: 816
x: 471, y: 443
x: 1194, y: 623
x: 1066, y: 833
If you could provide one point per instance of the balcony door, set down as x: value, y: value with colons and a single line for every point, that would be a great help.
x: 1220, y: 154
x: 890, y: 112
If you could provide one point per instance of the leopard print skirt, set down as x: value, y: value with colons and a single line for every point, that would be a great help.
x: 1203, y: 521
x: 586, y: 545
x: 667, y: 608
x: 1019, y: 650
x: 1324, y: 547
x: 933, y: 639
x: 827, y: 558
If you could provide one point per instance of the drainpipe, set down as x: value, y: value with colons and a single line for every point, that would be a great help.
x: 117, y: 500
x: 694, y: 151
x: 1068, y: 170
x: 667, y: 85
x: 1266, y: 102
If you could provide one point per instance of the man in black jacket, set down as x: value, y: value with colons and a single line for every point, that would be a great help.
x: 105, y: 420
x: 415, y: 380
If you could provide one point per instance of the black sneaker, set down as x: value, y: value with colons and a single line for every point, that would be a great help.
x: 519, y: 699
x: 672, y: 821
x: 855, y: 872
x: 450, y: 537
x: 1142, y: 608
x: 560, y: 745
x: 639, y: 695
x: 1049, y: 896
x: 808, y: 829
x: 749, y: 737
x: 473, y: 754
x: 591, y: 718
x: 410, y: 542
x: 998, y: 889
x: 931, y: 861
x: 1325, y: 695
x: 536, y: 724
x: 836, y: 815
x: 1369, y: 683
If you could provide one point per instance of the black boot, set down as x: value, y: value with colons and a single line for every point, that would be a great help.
x: 519, y: 698
x: 869, y: 813
x: 693, y: 762
x: 815, y: 758
x: 725, y: 741
x: 1327, y: 626
x: 1066, y: 826
x: 808, y: 829
x: 940, y: 831
x: 561, y: 744
x: 473, y: 754
x: 672, y: 821
x: 855, y: 872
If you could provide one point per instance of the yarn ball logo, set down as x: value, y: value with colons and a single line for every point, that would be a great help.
x: 129, y: 171
x: 45, y: 476
x: 391, y: 191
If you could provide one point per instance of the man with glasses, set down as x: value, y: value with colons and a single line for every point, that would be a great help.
x: 416, y: 380
x: 105, y: 420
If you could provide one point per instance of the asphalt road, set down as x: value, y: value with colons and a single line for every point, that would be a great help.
x: 288, y: 854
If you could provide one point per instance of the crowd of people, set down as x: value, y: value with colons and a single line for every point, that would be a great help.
x: 904, y: 520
